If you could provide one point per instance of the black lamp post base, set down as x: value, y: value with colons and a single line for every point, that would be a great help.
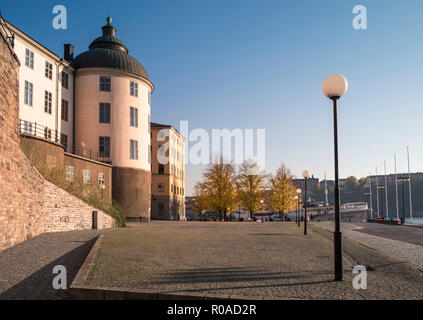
x: 339, y: 272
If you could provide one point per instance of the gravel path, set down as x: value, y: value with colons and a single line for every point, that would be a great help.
x: 401, y: 250
x: 249, y: 259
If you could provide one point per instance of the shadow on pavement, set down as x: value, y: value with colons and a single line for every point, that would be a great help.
x: 217, y: 275
x: 38, y: 286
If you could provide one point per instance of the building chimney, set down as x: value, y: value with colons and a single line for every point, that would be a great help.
x: 68, y: 54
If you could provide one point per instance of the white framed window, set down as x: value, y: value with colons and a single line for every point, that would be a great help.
x: 27, y: 127
x: 133, y: 150
x: 70, y: 173
x: 49, y: 70
x: 29, y: 58
x: 101, y: 179
x: 86, y: 176
x: 47, y: 133
x: 133, y: 115
x: 65, y: 110
x: 65, y: 80
x: 47, y: 101
x: 134, y: 89
x: 64, y: 140
x: 29, y: 89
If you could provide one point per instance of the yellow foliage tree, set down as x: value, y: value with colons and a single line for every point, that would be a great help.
x: 250, y: 186
x: 281, y: 195
x: 217, y: 190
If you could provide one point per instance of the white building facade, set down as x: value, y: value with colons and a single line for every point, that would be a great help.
x: 45, y: 90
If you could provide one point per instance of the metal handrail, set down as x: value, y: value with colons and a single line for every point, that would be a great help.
x: 37, y: 130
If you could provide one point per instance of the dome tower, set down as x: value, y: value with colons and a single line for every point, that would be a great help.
x: 112, y: 118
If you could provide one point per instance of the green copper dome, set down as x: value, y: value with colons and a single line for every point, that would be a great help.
x: 109, y: 52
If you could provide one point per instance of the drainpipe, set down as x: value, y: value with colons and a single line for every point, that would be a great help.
x: 73, y: 114
x: 57, y: 96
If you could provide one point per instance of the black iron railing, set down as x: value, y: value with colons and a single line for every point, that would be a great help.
x: 29, y: 128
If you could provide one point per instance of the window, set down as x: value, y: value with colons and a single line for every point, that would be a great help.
x: 134, y: 89
x: 29, y: 58
x: 133, y: 117
x: 47, y: 133
x: 65, y: 110
x: 27, y: 127
x: 70, y: 173
x: 87, y: 176
x: 133, y: 150
x: 104, y: 147
x: 104, y: 112
x: 161, y: 168
x: 29, y: 88
x: 101, y: 179
x: 162, y: 149
x: 150, y: 151
x: 161, y: 187
x: 149, y: 98
x: 161, y: 135
x: 105, y: 84
x: 65, y: 80
x: 64, y: 140
x: 47, y: 101
x: 49, y: 70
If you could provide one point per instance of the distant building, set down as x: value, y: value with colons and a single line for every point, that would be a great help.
x: 312, y: 185
x: 168, y: 173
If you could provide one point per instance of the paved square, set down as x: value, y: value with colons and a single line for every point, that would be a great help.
x: 248, y: 259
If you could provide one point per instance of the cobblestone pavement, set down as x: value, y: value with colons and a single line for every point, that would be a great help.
x: 250, y: 259
x: 379, y: 239
x: 26, y: 269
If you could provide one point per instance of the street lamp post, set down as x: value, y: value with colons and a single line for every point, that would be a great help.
x: 298, y: 206
x: 306, y: 175
x: 334, y: 87
x: 296, y: 209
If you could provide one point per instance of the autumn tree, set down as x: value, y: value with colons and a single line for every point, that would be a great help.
x: 199, y: 203
x: 250, y: 183
x: 218, y: 188
x: 281, y: 194
x: 351, y: 183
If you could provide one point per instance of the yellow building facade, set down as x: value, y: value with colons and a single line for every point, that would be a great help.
x: 168, y: 173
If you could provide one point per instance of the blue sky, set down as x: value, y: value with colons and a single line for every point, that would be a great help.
x: 260, y: 64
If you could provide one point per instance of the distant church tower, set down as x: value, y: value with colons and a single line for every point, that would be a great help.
x: 112, y: 115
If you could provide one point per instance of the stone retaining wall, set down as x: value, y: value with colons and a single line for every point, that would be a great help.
x: 29, y: 205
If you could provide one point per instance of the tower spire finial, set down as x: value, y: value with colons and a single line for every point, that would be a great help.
x: 109, y: 20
